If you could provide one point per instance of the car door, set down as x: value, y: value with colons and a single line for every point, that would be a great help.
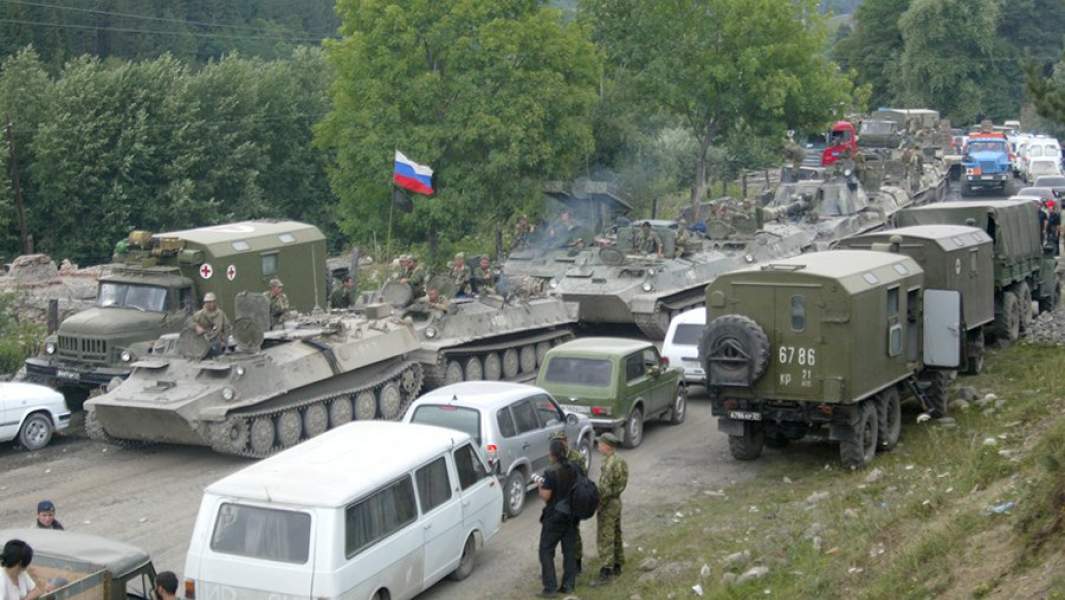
x: 661, y: 390
x: 441, y: 519
x: 552, y: 419
x: 9, y: 416
x: 529, y: 440
x: 637, y: 386
x: 481, y: 495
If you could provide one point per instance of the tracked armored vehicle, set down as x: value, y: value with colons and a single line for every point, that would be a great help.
x: 270, y: 390
x: 487, y: 337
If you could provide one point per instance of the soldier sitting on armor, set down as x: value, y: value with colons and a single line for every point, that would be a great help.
x: 411, y: 273
x: 522, y: 231
x: 684, y: 237
x: 279, y: 306
x: 213, y: 324
x: 343, y: 295
x: 647, y: 241
x: 429, y: 302
x: 484, y: 278
x: 460, y: 276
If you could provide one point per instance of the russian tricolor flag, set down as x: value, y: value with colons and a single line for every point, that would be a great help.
x: 409, y: 175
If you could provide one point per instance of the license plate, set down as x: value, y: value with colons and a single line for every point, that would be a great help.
x: 742, y: 415
x: 64, y: 374
x: 987, y: 177
x: 577, y: 408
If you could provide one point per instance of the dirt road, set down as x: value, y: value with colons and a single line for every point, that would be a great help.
x: 149, y: 498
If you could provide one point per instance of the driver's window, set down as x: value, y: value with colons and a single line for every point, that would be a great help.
x: 547, y: 410
x: 139, y: 587
x: 650, y: 359
x: 185, y: 300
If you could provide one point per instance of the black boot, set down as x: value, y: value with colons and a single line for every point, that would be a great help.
x: 579, y: 566
x: 617, y: 569
x: 606, y: 576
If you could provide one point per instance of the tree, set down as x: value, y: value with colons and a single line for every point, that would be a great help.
x: 495, y: 96
x: 1047, y: 93
x: 723, y: 66
x: 874, y: 48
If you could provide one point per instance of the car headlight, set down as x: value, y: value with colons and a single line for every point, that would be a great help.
x: 49, y: 348
x: 647, y: 286
x: 430, y: 332
x: 239, y: 371
x: 126, y: 356
x: 553, y: 283
x: 228, y: 394
x: 651, y: 272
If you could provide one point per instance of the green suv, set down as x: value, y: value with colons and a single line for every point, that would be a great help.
x: 619, y: 383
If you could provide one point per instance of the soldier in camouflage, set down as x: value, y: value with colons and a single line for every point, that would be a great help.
x: 684, y: 237
x: 613, y: 477
x: 647, y: 241
x: 575, y: 457
x: 430, y: 302
x: 213, y: 324
x: 460, y: 276
x: 343, y: 295
x: 484, y: 279
x: 278, y: 302
x: 411, y: 273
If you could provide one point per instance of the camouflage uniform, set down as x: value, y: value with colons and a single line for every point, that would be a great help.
x: 215, y: 323
x: 522, y: 230
x: 683, y: 237
x: 485, y: 280
x: 342, y: 297
x: 278, y: 307
x: 613, y: 477
x: 647, y: 241
x: 460, y: 278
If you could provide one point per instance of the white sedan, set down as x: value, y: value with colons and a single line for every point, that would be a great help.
x: 31, y: 413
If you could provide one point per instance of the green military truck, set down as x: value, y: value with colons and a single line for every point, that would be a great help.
x: 829, y: 340
x: 160, y: 283
x: 953, y: 257
x: 1023, y: 270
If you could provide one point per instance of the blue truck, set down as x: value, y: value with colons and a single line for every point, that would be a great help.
x: 986, y: 163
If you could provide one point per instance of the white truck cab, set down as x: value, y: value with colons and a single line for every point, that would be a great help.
x: 370, y: 510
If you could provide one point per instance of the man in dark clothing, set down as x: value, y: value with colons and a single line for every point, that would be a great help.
x: 557, y: 522
x: 1053, y: 227
x: 46, y: 516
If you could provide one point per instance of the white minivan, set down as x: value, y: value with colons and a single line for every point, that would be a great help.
x: 370, y: 510
x: 681, y: 345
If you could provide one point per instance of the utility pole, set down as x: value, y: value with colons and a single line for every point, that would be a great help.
x: 19, y: 206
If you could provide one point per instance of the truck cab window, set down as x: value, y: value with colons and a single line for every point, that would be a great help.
x: 798, y: 313
x: 270, y: 264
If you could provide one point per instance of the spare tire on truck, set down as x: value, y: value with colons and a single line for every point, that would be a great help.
x: 734, y: 351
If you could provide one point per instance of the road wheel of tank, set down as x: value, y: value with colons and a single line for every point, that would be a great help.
x: 289, y: 428
x: 230, y: 436
x: 263, y: 434
x: 453, y: 374
x: 411, y: 380
x: 633, y: 434
x: 391, y: 401
x: 473, y: 369
x: 889, y: 419
x: 1011, y: 313
x: 860, y: 449
x: 511, y: 366
x: 315, y: 420
x: 493, y: 366
x: 1024, y: 293
x: 749, y: 445
x: 365, y: 406
x: 974, y: 352
x: 936, y: 392
x: 541, y: 352
x: 340, y: 411
x: 527, y: 359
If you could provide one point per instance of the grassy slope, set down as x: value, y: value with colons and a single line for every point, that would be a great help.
x: 923, y: 529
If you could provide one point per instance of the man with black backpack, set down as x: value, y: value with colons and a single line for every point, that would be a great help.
x: 557, y: 522
x: 577, y: 459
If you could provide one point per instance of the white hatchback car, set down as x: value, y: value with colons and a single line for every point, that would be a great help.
x: 31, y: 413
x: 681, y: 346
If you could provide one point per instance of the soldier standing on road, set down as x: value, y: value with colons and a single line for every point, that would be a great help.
x: 344, y: 294
x: 613, y: 477
x: 576, y: 459
x: 278, y: 302
x: 647, y: 240
x: 212, y: 323
x: 46, y: 516
x: 460, y: 276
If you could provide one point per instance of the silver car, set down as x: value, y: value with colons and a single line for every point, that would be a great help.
x: 512, y: 423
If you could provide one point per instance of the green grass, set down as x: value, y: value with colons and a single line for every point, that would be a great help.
x: 902, y: 536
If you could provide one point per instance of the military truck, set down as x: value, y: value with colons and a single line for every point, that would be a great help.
x: 85, y: 567
x: 271, y: 389
x: 827, y: 340
x: 1023, y: 270
x: 160, y: 283
x: 953, y: 257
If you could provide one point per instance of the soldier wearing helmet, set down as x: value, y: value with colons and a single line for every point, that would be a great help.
x: 278, y: 302
x: 212, y: 323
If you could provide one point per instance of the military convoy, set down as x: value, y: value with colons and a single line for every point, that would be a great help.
x: 161, y: 281
x: 271, y: 390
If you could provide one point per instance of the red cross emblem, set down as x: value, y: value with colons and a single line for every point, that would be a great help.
x: 231, y: 272
x: 206, y: 271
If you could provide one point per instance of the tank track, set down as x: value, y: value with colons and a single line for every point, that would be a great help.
x: 436, y: 375
x: 219, y: 436
x: 96, y: 431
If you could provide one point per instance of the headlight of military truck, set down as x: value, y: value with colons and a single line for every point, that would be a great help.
x: 553, y: 283
x: 49, y: 348
x: 126, y: 356
x: 647, y: 286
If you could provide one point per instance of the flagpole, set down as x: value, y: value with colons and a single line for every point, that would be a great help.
x: 391, y: 207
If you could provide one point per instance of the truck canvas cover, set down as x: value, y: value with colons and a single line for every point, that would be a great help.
x: 1019, y: 219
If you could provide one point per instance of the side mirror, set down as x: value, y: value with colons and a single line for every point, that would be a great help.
x: 571, y: 419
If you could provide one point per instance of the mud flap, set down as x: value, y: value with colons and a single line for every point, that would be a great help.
x: 844, y: 423
x: 730, y: 426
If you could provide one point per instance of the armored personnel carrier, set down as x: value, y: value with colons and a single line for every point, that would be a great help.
x: 270, y: 390
x: 489, y: 337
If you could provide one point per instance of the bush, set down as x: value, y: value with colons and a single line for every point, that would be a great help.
x: 18, y: 340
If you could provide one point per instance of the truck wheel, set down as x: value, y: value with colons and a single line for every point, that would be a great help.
x: 1011, y: 316
x: 749, y: 445
x: 1024, y: 293
x: 974, y: 352
x: 680, y: 406
x: 889, y: 419
x: 633, y: 429
x: 938, y: 381
x: 742, y: 341
x: 36, y: 432
x: 859, y: 450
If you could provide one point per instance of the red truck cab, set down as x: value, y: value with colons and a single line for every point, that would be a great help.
x: 842, y: 143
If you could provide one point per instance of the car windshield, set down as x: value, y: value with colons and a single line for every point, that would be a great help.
x: 1043, y: 166
x: 1039, y: 192
x: 466, y: 420
x: 1052, y: 182
x: 594, y: 372
x: 687, y: 334
x: 986, y: 146
x: 131, y: 295
x: 264, y: 533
